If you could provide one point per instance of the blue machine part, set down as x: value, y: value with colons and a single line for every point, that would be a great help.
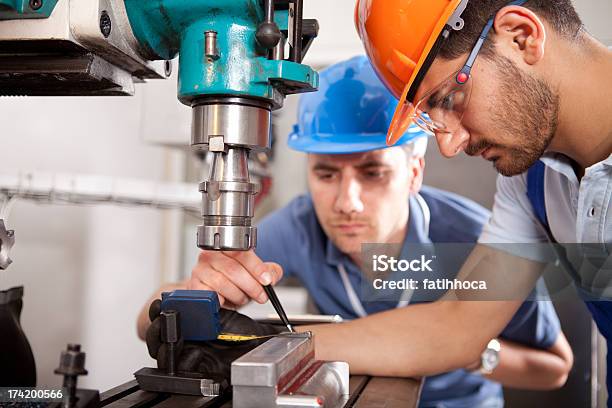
x: 167, y: 27
x: 198, y: 313
x: 350, y: 113
x: 18, y: 9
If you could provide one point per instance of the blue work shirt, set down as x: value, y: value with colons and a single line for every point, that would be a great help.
x: 293, y: 238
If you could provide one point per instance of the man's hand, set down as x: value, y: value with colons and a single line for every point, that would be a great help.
x: 211, y: 358
x: 236, y: 276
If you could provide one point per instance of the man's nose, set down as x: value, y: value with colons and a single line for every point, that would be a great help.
x: 451, y: 144
x: 348, y: 200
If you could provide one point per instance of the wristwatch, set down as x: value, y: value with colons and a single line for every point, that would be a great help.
x: 490, y: 357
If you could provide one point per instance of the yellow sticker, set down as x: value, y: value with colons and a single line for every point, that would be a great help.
x: 238, y: 337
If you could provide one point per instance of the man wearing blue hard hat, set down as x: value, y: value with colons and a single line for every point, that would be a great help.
x: 361, y: 191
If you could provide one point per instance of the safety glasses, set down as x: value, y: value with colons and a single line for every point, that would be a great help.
x: 442, y: 108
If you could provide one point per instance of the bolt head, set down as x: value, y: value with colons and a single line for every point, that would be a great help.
x: 105, y: 24
x: 36, y: 4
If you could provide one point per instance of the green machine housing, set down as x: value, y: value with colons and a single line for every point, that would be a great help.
x: 13, y: 9
x: 233, y: 73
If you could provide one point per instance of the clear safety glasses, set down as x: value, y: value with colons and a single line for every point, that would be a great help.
x: 442, y: 108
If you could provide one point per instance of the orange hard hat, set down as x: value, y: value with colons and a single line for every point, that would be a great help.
x: 401, y: 38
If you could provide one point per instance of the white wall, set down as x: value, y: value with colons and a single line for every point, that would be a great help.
x: 86, y: 271
x: 338, y: 39
x: 596, y: 17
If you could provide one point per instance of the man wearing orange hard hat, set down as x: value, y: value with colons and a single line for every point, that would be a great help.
x: 523, y: 85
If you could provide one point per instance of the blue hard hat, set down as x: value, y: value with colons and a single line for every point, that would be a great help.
x: 350, y: 113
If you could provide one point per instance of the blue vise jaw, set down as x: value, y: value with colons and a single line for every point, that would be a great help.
x: 198, y: 313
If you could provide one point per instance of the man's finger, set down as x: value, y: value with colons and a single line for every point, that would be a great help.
x: 195, y: 284
x: 153, y: 338
x: 154, y: 309
x: 217, y: 281
x: 255, y: 266
x: 276, y: 270
x: 240, y: 277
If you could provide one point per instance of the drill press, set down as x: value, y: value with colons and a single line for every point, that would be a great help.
x: 232, y: 72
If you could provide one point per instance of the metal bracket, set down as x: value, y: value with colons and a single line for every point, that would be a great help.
x: 455, y: 21
x: 156, y: 380
x: 7, y: 240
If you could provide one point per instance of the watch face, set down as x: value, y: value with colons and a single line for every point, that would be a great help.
x: 490, y: 359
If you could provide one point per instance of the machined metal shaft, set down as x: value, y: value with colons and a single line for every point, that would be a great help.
x: 228, y: 199
x: 229, y: 128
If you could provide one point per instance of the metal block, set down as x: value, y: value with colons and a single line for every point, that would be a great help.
x: 155, y: 380
x: 284, y: 373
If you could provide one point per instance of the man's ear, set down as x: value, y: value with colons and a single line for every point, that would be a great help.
x: 520, y: 30
x: 417, y: 168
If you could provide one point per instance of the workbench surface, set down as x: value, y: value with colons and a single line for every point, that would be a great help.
x: 366, y: 392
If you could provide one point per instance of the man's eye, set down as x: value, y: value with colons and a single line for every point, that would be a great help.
x: 374, y: 175
x: 325, y: 176
x: 448, y: 102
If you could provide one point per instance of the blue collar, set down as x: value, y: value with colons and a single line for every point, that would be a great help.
x: 415, y: 234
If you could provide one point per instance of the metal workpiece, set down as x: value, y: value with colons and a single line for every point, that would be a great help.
x: 267, y: 364
x: 228, y: 203
x: 7, y: 240
x: 231, y: 121
x: 284, y: 373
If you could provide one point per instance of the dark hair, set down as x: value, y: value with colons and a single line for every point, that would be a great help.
x: 560, y: 14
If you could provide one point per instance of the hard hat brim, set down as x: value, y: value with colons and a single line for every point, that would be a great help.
x: 392, y: 139
x: 345, y: 143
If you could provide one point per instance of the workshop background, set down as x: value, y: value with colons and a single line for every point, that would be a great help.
x: 87, y: 270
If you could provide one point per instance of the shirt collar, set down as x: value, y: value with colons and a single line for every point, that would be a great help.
x: 560, y: 163
x: 415, y: 233
x: 563, y: 164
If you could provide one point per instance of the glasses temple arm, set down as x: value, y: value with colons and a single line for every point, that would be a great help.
x: 467, y: 68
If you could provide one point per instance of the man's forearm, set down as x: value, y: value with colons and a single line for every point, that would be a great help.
x: 528, y: 368
x: 415, y: 341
